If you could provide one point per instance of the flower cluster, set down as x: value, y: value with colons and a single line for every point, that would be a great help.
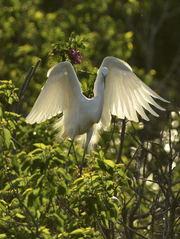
x: 53, y: 52
x: 75, y: 55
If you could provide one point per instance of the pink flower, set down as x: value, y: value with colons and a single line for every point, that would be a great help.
x: 75, y: 55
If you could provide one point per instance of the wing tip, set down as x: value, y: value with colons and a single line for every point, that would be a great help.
x: 166, y: 101
x: 29, y: 122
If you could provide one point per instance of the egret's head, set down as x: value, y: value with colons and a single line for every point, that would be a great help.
x: 104, y: 74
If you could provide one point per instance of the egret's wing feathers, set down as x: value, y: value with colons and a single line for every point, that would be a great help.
x: 125, y: 93
x: 61, y: 89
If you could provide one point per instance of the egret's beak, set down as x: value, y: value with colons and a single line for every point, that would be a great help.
x: 104, y: 82
x: 104, y: 74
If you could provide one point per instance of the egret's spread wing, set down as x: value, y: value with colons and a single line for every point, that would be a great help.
x: 60, y: 92
x: 125, y: 93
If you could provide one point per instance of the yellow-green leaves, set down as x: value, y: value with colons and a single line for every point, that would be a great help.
x: 6, y: 137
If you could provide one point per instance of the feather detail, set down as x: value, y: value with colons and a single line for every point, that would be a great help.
x: 125, y: 94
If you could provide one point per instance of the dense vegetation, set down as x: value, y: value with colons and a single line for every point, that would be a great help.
x: 140, y: 196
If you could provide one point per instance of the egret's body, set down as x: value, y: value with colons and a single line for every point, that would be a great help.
x: 117, y: 91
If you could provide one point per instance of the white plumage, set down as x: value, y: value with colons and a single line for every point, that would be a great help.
x: 117, y: 91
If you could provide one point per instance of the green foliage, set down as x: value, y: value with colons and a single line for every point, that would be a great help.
x: 34, y: 194
x: 61, y: 49
x: 7, y: 119
x: 39, y: 197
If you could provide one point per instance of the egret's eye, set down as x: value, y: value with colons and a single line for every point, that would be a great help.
x: 104, y: 71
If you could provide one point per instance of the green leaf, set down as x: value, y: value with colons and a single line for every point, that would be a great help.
x: 36, y: 191
x: 1, y: 113
x: 62, y: 189
x: 20, y: 215
x: 27, y: 191
x: 47, y: 236
x: 38, y: 214
x: 36, y: 151
x: 113, y: 210
x: 103, y: 219
x: 59, y: 221
x: 21, y: 154
x: 109, y: 162
x: 39, y: 181
x: 3, y: 202
x: 40, y: 145
x: 26, y: 164
x: 11, y: 114
x: 35, y: 177
x: 77, y: 37
x: 94, y: 178
x: 7, y: 137
x: 10, y: 100
x: 30, y: 199
x: 15, y: 164
x: 121, y: 173
x: 16, y: 182
x: 3, y: 236
x: 7, y: 187
x: 101, y: 154
x: 3, y: 205
x: 101, y: 164
x: 44, y: 230
x: 120, y: 165
x: 59, y: 161
x: 57, y: 151
x: 77, y: 232
x: 90, y: 204
x: 14, y: 203
x: 63, y: 173
x: 79, y: 181
x: 109, y: 184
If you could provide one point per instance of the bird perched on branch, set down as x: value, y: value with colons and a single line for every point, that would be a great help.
x: 117, y: 91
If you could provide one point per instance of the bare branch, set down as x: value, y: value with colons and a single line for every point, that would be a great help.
x: 129, y: 228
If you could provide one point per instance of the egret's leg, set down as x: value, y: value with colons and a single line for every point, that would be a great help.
x: 68, y: 155
x: 70, y: 147
x: 75, y: 156
x: 85, y: 149
x: 88, y: 138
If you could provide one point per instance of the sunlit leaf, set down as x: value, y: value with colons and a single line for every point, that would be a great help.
x: 3, y: 236
x: 40, y: 145
x: 109, y: 162
x: 59, y: 221
x: 3, y: 205
x: 20, y: 215
x: 7, y: 137
x: 77, y: 232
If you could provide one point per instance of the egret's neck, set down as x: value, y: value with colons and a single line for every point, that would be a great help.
x: 99, y: 102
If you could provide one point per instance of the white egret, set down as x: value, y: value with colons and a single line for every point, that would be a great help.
x: 117, y: 91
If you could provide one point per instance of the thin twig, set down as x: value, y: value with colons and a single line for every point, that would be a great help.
x: 60, y: 204
x: 101, y: 230
x: 122, y: 142
x: 28, y: 79
x: 86, y: 72
x: 20, y: 144
x: 137, y: 233
x: 23, y: 87
x: 112, y: 138
x: 23, y: 206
